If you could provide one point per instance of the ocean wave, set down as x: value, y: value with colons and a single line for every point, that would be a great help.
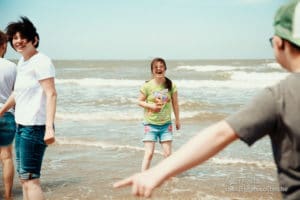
x: 107, y: 145
x: 208, y: 68
x: 180, y: 83
x: 99, y: 116
x: 99, y: 144
x: 206, y: 116
x: 86, y: 68
x: 236, y: 161
x: 233, y: 84
x: 235, y: 79
x: 238, y: 80
x: 101, y: 82
x: 111, y: 101
x: 191, y: 104
x: 132, y: 103
x: 274, y: 65
x: 132, y: 115
x: 266, y: 78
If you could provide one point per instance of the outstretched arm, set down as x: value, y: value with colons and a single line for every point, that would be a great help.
x: 198, y: 149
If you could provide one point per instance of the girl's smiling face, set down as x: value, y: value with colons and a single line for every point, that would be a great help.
x: 158, y: 70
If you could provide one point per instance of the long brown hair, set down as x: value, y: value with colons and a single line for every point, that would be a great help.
x: 168, y: 83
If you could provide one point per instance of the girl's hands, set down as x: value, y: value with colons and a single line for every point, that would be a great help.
x: 155, y: 107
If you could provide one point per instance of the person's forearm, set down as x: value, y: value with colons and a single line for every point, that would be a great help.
x: 143, y: 104
x: 201, y: 147
x: 176, y: 112
x: 50, y: 108
x: 8, y: 104
x: 175, y: 106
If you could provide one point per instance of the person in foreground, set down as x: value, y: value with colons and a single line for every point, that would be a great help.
x: 156, y: 97
x: 34, y: 97
x: 274, y: 112
x: 7, y: 121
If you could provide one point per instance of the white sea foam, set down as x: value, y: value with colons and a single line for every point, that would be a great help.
x: 270, y: 77
x: 226, y: 68
x: 99, y: 144
x: 101, y: 82
x: 99, y: 116
x: 207, y: 68
x: 107, y: 145
x: 238, y: 79
x: 180, y: 83
x: 235, y: 161
x: 274, y: 65
x: 115, y: 115
x: 234, y: 84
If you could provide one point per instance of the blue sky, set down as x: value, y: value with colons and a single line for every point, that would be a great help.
x: 143, y: 29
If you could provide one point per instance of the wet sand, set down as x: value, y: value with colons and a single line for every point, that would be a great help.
x: 73, y: 172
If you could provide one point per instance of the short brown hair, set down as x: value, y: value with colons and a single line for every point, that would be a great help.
x: 3, y: 38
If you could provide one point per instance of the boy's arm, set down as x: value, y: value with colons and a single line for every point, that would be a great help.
x: 198, y: 149
x: 8, y: 104
x: 48, y: 86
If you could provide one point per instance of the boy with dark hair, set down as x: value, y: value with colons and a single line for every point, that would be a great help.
x: 35, y: 99
x: 26, y: 28
x: 274, y: 112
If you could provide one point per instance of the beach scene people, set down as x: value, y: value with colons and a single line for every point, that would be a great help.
x: 273, y: 112
x: 217, y: 54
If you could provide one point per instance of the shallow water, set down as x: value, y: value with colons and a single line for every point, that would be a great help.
x: 99, y: 130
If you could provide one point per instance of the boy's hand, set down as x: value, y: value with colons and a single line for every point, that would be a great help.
x: 49, y: 137
x: 142, y: 184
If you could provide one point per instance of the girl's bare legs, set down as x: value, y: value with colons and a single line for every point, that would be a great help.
x: 149, y: 150
x: 167, y: 148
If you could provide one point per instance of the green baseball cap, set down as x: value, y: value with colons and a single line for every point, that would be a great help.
x: 287, y: 22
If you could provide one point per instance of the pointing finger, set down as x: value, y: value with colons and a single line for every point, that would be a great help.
x: 147, y: 193
x: 123, y: 183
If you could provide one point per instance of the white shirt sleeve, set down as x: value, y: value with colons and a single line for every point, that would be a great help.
x: 44, y: 69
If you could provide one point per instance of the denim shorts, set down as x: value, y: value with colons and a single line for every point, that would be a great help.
x: 30, y: 148
x: 162, y: 133
x: 7, y: 129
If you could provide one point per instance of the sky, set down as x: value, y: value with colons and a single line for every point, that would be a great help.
x: 143, y: 29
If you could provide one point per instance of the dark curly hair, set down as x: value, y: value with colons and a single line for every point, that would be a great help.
x: 26, y: 29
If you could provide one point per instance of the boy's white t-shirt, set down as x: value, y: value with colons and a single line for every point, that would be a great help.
x: 28, y: 93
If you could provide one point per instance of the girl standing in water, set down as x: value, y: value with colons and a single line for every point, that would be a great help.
x: 157, y: 97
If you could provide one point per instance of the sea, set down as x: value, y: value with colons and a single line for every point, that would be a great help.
x: 99, y: 129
